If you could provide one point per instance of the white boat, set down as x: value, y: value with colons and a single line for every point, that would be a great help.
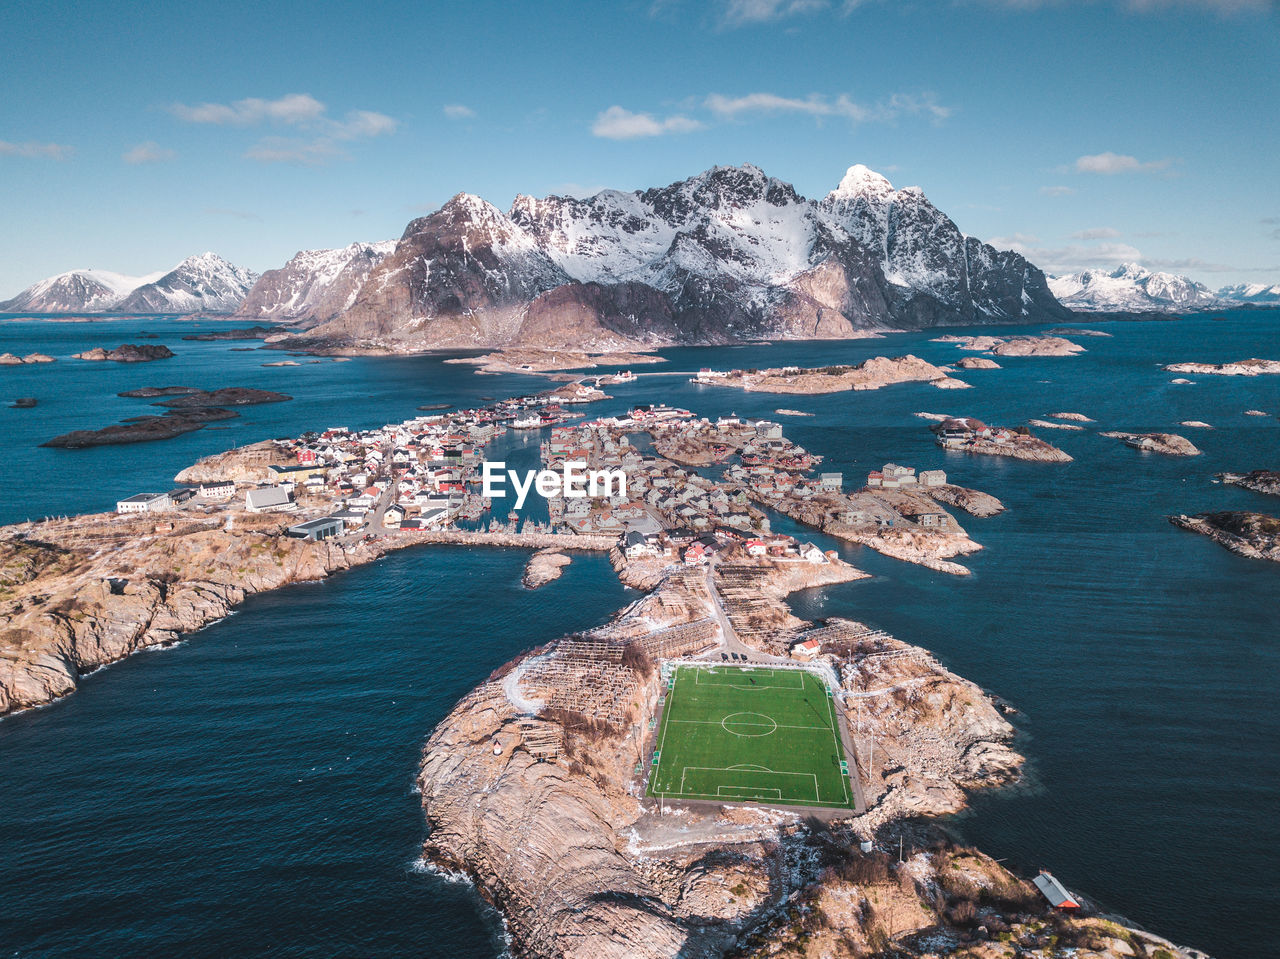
x: 527, y: 422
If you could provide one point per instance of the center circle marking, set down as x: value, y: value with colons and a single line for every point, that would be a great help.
x: 757, y: 721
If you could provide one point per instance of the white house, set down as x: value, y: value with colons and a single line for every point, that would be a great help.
x: 145, y: 503
x: 806, y: 650
x: 268, y: 499
x: 812, y: 554
x: 222, y: 490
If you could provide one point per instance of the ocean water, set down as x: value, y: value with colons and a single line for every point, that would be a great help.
x: 249, y: 792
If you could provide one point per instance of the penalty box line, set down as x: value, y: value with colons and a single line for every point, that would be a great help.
x: 770, y: 673
x: 729, y: 769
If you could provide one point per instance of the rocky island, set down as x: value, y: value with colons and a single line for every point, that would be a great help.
x: 525, y: 360
x: 544, y: 566
x: 1050, y: 425
x: 189, y: 409
x: 1170, y: 444
x: 970, y: 435
x: 1250, y: 367
x: 872, y: 374
x: 1254, y: 535
x: 534, y: 786
x: 238, y: 333
x: 128, y: 353
x: 1260, y: 481
x: 1015, y: 345
x: 9, y: 359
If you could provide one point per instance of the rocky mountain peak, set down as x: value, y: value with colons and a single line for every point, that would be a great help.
x: 1130, y: 271
x: 861, y: 180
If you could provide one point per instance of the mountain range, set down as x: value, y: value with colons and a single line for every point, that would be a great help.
x: 1132, y: 288
x: 314, y: 286
x: 726, y: 256
x: 199, y: 284
x: 729, y: 255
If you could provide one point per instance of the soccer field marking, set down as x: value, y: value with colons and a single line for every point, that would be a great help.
x: 813, y: 780
x: 742, y: 673
x: 740, y: 792
x: 712, y: 722
x: 835, y: 732
x: 769, y: 726
x: 746, y: 780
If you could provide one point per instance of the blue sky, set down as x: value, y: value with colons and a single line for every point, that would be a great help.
x: 1083, y: 133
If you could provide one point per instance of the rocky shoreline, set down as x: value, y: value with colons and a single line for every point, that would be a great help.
x: 1250, y: 367
x: 1015, y: 345
x: 871, y: 374
x: 1248, y: 534
x: 1170, y: 444
x: 1260, y: 481
x: 188, y: 409
x: 81, y: 593
x: 517, y: 360
x: 127, y: 353
x: 544, y: 810
x: 544, y: 566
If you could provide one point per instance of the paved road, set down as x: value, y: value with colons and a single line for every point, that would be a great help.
x: 732, y: 644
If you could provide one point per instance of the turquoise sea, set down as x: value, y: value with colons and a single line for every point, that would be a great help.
x: 249, y: 792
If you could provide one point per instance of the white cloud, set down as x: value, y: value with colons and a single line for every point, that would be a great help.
x: 618, y: 123
x: 148, y: 152
x: 1186, y: 264
x: 292, y: 108
x: 32, y: 150
x: 294, y: 150
x: 739, y: 13
x: 1017, y: 242
x: 1068, y: 259
x: 299, y: 110
x: 458, y: 111
x: 1056, y: 191
x: 1097, y: 233
x: 1109, y: 164
x: 360, y: 124
x: 899, y: 104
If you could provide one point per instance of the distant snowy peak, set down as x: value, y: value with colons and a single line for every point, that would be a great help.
x: 314, y: 286
x: 1251, y: 293
x: 1131, y: 288
x: 861, y: 181
x: 87, y: 291
x: 204, y: 283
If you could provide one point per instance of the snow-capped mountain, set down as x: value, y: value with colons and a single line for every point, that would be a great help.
x: 1131, y: 288
x: 314, y: 286
x: 1251, y: 293
x: 205, y: 283
x: 88, y: 291
x: 729, y: 255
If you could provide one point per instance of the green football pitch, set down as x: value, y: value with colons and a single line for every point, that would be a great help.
x: 750, y: 733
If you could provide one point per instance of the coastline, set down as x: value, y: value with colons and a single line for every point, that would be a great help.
x: 545, y: 813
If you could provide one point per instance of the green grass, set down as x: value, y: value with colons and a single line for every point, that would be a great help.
x: 749, y: 733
